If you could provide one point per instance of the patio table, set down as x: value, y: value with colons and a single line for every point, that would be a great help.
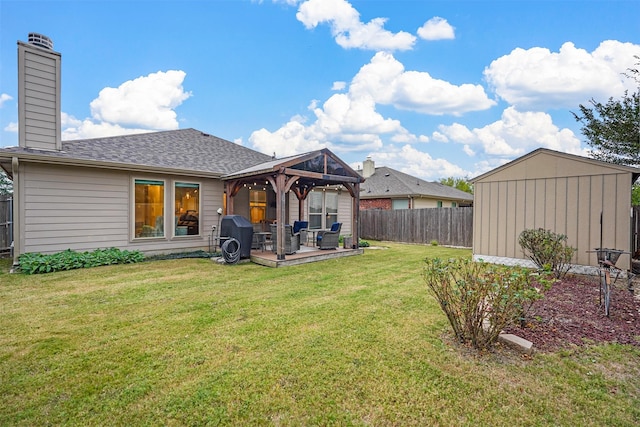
x: 260, y: 240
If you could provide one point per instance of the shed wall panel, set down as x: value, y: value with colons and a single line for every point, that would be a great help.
x: 550, y: 195
x: 511, y: 213
x: 540, y: 202
x: 520, y: 214
x: 572, y: 230
x: 502, y: 214
x: 530, y: 204
x: 560, y: 211
x: 557, y: 192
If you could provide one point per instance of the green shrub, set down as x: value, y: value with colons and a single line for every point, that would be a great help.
x: 35, y: 263
x: 363, y: 244
x: 434, y: 242
x: 481, y: 299
x: 547, y: 250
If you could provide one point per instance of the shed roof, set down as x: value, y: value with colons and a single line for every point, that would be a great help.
x: 386, y: 182
x: 545, y: 163
x: 187, y: 151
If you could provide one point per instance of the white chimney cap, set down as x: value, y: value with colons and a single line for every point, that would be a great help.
x: 40, y: 40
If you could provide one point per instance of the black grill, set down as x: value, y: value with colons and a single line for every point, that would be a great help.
x: 239, y: 228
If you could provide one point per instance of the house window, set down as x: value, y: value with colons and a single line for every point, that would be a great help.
x: 439, y: 203
x: 257, y: 206
x: 323, y: 209
x: 149, y: 208
x: 315, y: 209
x: 187, y: 208
x: 331, y: 208
x: 400, y: 204
x: 454, y: 204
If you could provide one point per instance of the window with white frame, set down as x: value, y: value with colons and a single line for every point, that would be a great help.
x: 187, y: 208
x: 323, y: 209
x: 400, y: 204
x: 148, y: 208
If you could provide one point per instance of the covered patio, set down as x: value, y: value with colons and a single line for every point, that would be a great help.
x: 299, y: 174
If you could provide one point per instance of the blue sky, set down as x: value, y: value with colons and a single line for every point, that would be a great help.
x: 432, y: 88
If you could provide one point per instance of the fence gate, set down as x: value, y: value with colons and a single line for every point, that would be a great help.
x: 6, y: 224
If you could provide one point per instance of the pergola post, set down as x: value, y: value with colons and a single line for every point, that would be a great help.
x: 281, y: 204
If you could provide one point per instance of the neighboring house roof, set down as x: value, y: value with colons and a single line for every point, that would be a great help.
x: 188, y: 151
x: 386, y: 183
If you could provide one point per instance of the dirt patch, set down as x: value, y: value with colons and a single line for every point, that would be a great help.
x: 570, y: 314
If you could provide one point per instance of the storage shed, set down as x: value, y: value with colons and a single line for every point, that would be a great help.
x: 561, y: 192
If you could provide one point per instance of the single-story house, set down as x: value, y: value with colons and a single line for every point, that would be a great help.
x: 556, y: 191
x: 386, y: 188
x: 155, y: 192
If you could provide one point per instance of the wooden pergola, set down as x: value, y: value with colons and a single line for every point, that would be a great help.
x: 299, y: 174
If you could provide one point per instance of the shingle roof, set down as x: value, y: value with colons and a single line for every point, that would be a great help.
x: 189, y: 150
x: 387, y: 183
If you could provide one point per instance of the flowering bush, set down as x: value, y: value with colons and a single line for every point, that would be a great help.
x: 547, y: 250
x: 481, y: 299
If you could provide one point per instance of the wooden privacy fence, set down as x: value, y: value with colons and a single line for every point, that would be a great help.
x: 6, y: 224
x: 447, y: 226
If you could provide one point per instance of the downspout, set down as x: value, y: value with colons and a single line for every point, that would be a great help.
x: 17, y: 234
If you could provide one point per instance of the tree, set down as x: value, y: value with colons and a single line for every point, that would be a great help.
x: 613, y: 129
x: 461, y: 184
x: 6, y: 186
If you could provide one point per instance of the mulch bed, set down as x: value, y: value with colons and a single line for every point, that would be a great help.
x: 570, y: 314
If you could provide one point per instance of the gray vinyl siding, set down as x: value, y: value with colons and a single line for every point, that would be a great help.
x: 39, y: 97
x: 344, y: 212
x: 84, y: 209
x: 74, y: 208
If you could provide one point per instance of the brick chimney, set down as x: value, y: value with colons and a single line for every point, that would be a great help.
x: 39, y: 94
x: 368, y: 167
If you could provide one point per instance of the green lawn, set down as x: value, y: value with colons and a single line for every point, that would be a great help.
x: 355, y: 341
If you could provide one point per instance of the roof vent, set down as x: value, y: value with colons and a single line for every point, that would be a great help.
x: 40, y: 41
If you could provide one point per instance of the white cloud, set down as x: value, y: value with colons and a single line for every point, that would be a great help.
x: 349, y: 121
x: 292, y: 138
x: 541, y: 79
x: 4, y: 98
x: 73, y: 128
x: 514, y: 134
x: 348, y: 30
x: 147, y: 102
x: 436, y: 28
x: 338, y: 86
x: 141, y: 105
x: 386, y: 80
x: 12, y: 127
x: 412, y: 161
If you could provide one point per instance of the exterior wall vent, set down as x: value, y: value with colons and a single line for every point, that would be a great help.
x: 40, y: 41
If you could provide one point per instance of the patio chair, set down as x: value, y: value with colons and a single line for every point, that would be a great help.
x: 301, y: 227
x: 291, y: 239
x: 328, y: 239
